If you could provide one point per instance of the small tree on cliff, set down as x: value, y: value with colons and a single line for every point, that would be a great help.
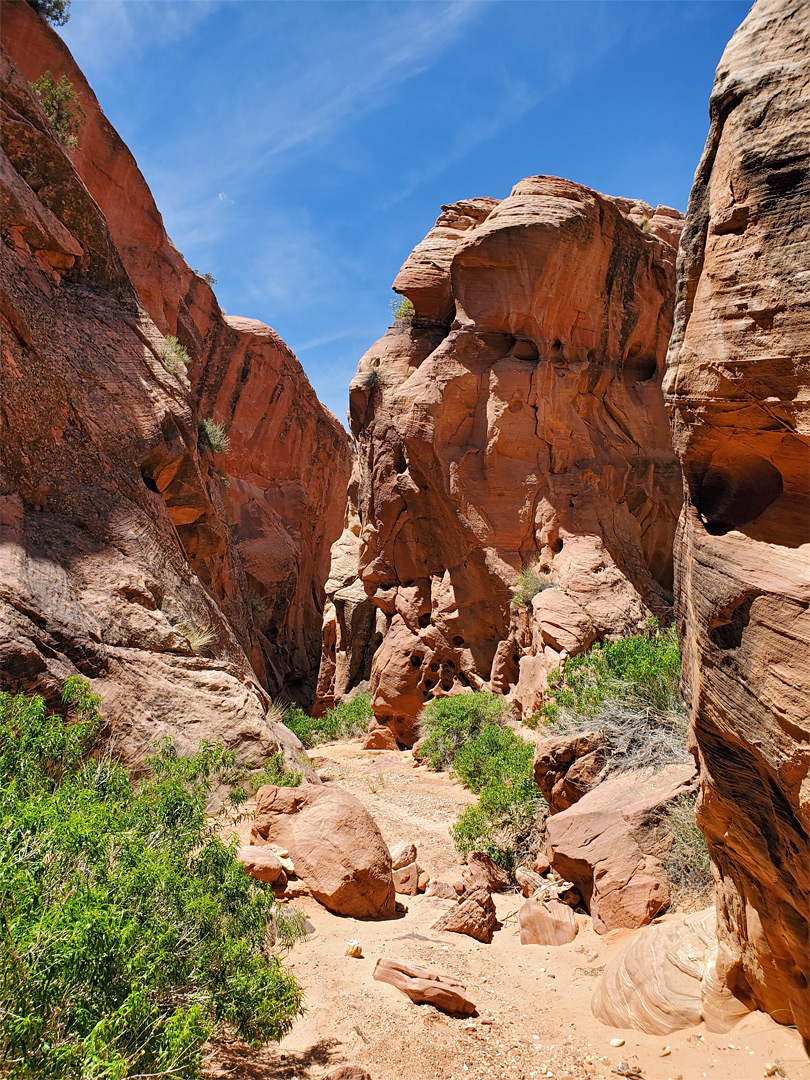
x: 56, y: 12
x: 61, y: 105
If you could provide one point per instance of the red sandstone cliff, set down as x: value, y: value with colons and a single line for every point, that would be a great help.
x: 515, y: 420
x: 117, y: 527
x: 737, y: 388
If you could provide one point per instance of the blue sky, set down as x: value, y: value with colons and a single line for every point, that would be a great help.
x: 298, y: 151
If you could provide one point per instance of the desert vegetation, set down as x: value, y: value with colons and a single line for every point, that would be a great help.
x: 131, y: 933
x: 346, y: 720
x: 60, y: 104
x: 402, y: 308
x: 213, y: 436
x: 530, y: 582
x: 686, y: 858
x: 173, y: 355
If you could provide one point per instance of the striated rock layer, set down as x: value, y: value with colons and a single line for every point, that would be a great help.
x: 516, y: 420
x: 738, y: 385
x: 119, y: 535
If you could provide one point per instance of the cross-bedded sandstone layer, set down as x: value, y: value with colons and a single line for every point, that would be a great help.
x: 737, y: 387
x: 514, y: 421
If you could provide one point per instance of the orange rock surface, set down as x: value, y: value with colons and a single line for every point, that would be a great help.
x: 737, y: 388
x: 516, y: 420
x: 117, y: 526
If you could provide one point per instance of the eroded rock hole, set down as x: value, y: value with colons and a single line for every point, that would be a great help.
x: 446, y: 684
x: 416, y: 660
x: 730, y: 634
x: 640, y: 368
x: 736, y: 492
x: 400, y: 461
x: 556, y: 546
x: 149, y: 480
x: 458, y: 641
x: 434, y: 666
x: 424, y: 620
x: 525, y: 350
x: 463, y: 679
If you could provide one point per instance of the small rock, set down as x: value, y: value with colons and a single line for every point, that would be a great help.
x: 481, y: 871
x: 423, y: 882
x: 541, y: 865
x: 665, y: 1052
x: 617, y: 1042
x: 354, y: 949
x: 348, y: 1072
x: 458, y: 885
x: 441, y: 890
x: 406, y: 879
x: 771, y: 1069
x: 402, y: 854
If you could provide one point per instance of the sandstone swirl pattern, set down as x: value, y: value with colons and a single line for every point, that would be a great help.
x: 515, y: 419
x: 737, y: 388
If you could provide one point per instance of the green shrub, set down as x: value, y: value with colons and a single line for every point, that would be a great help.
x: 345, y: 721
x: 508, y: 819
x: 131, y: 933
x: 402, y: 308
x: 687, y: 862
x: 173, y: 355
x: 273, y: 772
x: 56, y: 12
x: 61, y: 105
x: 206, y: 277
x: 529, y: 583
x: 448, y: 723
x: 213, y: 435
x: 198, y: 635
x: 628, y: 690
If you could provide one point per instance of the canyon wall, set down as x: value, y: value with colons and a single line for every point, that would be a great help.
x: 121, y: 530
x: 738, y: 385
x: 514, y: 421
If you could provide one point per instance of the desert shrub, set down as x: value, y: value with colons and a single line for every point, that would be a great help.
x: 131, y: 933
x: 529, y: 583
x: 206, y: 277
x: 628, y: 690
x: 273, y: 772
x: 61, y: 105
x: 56, y: 12
x: 370, y: 379
x: 447, y: 723
x: 213, y: 435
x: 345, y: 721
x: 173, y: 355
x: 198, y: 635
x: 687, y: 862
x: 402, y: 307
x: 508, y: 820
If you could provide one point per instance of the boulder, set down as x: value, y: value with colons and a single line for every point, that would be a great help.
x: 665, y: 979
x: 261, y: 863
x: 528, y: 881
x: 473, y: 914
x: 441, y: 890
x: 402, y: 854
x: 336, y: 847
x: 606, y: 845
x: 550, y: 923
x: 541, y: 864
x: 424, y: 881
x: 379, y: 737
x: 480, y: 871
x: 738, y: 390
x: 406, y: 879
x: 348, y: 1072
x: 425, y: 986
x: 568, y: 766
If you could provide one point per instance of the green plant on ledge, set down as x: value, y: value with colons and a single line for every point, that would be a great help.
x: 173, y: 355
x: 402, y: 308
x: 213, y: 436
x: 56, y: 12
x: 61, y: 105
x: 529, y: 583
x: 198, y: 635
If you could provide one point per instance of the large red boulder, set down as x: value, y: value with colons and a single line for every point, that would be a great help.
x: 334, y: 843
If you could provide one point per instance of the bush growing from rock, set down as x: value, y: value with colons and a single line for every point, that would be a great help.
x: 508, y: 820
x: 345, y: 721
x: 687, y: 862
x: 212, y: 435
x: 131, y: 932
x: 448, y: 723
x: 628, y: 691
x: 173, y: 355
x: 402, y: 307
x: 61, y: 105
x: 529, y: 583
x: 56, y: 12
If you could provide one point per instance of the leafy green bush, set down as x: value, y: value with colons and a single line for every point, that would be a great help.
x: 628, y: 690
x: 131, y: 933
x: 56, y: 12
x: 449, y: 722
x: 687, y: 862
x: 61, y: 105
x: 401, y: 307
x: 508, y: 819
x: 173, y: 355
x: 213, y: 435
x: 529, y: 583
x: 345, y: 721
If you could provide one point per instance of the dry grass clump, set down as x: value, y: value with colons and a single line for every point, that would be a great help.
x: 529, y: 583
x: 687, y: 862
x: 213, y: 435
x: 198, y: 635
x: 173, y: 355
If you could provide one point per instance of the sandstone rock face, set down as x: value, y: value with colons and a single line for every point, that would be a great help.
x: 566, y: 767
x: 549, y: 923
x: 423, y: 985
x: 737, y: 388
x: 606, y: 843
x: 665, y: 979
x: 515, y: 420
x: 334, y: 843
x: 118, y: 532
